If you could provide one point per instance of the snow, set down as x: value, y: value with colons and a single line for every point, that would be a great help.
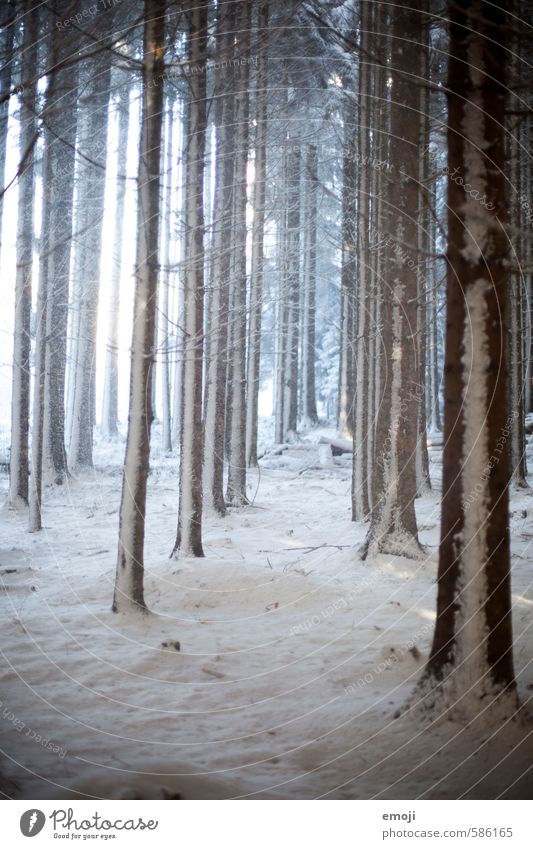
x: 295, y: 657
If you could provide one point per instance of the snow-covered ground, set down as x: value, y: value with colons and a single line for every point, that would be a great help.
x: 294, y: 659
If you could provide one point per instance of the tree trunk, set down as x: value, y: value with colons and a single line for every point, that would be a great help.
x: 236, y: 486
x: 110, y: 404
x: 292, y: 286
x: 59, y: 121
x: 360, y: 471
x: 189, y: 533
x: 165, y: 288
x: 471, y: 665
x: 218, y: 302
x: 393, y: 528
x: 309, y: 410
x: 20, y: 403
x: 6, y: 72
x: 92, y: 183
x: 256, y: 281
x: 129, y: 590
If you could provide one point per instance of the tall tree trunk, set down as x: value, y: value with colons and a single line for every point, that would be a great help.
x: 189, y: 533
x: 348, y: 269
x: 471, y: 658
x: 129, y: 583
x: 256, y: 278
x: 393, y: 528
x: 218, y: 302
x: 360, y: 503
x: 59, y: 121
x: 236, y: 486
x: 110, y: 403
x: 20, y: 403
x: 93, y: 179
x: 309, y: 411
x: 7, y: 41
x: 165, y: 288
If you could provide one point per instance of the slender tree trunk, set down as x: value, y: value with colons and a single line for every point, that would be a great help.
x: 236, y: 486
x: 471, y: 661
x: 218, y: 304
x: 20, y: 403
x: 292, y: 286
x: 59, y: 121
x: 189, y: 533
x: 309, y: 410
x: 6, y: 72
x: 360, y: 503
x: 165, y: 289
x: 110, y: 404
x: 348, y: 271
x: 129, y: 591
x: 256, y: 282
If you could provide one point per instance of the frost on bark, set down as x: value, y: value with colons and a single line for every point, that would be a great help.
x: 471, y: 666
x: 20, y: 404
x: 59, y: 119
x: 164, y: 306
x: 7, y: 38
x: 292, y: 287
x: 309, y: 411
x: 189, y: 533
x: 360, y: 468
x: 129, y: 592
x: 218, y: 295
x: 256, y: 276
x: 393, y: 528
x: 348, y: 270
x: 110, y: 403
x: 236, y: 485
x: 92, y: 179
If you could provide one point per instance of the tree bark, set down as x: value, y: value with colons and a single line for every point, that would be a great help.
x: 471, y: 661
x: 189, y: 533
x: 129, y: 582
x: 92, y: 184
x: 236, y: 485
x: 256, y: 281
x: 110, y: 403
x: 393, y: 528
x: 20, y: 403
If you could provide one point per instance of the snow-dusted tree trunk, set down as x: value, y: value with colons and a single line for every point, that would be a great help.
x: 348, y: 270
x: 309, y: 411
x: 360, y: 470
x: 256, y: 276
x: 236, y: 485
x: 110, y: 400
x: 471, y: 667
x: 93, y: 179
x: 218, y: 302
x: 20, y: 403
x: 189, y: 533
x: 292, y: 286
x: 281, y: 313
x: 7, y: 38
x: 165, y: 286
x: 177, y: 382
x: 59, y: 122
x: 129, y: 590
x: 393, y: 528
x: 423, y: 480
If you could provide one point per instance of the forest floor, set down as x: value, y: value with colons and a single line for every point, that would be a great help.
x: 295, y: 655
